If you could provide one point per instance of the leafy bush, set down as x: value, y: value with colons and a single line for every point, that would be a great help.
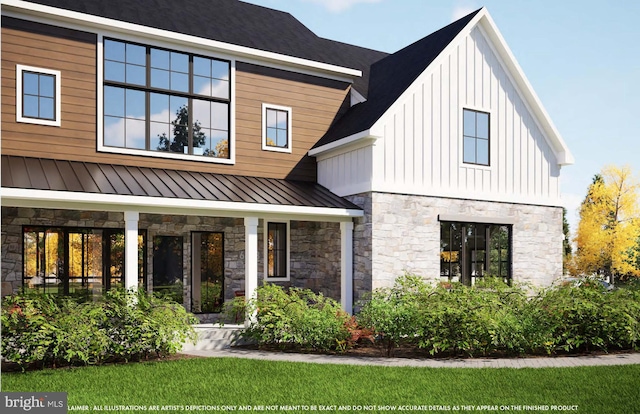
x: 588, y: 317
x: 492, y: 317
x: 37, y: 328
x: 296, y: 317
x: 393, y: 314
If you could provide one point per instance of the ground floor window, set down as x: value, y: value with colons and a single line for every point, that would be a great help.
x: 277, y: 251
x: 80, y: 262
x: 207, y: 290
x: 167, y: 267
x: 472, y: 250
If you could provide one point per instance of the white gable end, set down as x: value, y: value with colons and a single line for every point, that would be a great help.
x: 420, y: 146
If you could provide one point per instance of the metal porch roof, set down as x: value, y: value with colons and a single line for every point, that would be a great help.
x: 89, y: 177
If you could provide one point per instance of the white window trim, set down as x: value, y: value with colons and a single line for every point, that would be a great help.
x: 266, y: 147
x: 158, y: 154
x: 461, y: 137
x: 48, y: 122
x: 266, y: 252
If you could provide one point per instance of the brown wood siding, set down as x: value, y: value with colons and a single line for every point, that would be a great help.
x: 314, y: 102
x: 71, y: 52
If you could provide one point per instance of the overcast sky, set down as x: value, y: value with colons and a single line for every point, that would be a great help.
x: 581, y: 57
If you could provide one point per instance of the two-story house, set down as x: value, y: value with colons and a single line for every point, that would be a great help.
x: 200, y: 149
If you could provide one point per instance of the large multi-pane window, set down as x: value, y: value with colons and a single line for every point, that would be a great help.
x: 76, y: 261
x: 475, y: 137
x: 277, y: 251
x: 166, y: 101
x: 469, y: 251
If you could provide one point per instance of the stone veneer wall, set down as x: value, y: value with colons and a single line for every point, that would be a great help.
x: 402, y: 233
x: 314, y: 249
x: 316, y: 243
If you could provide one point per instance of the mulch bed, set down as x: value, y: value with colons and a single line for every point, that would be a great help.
x: 405, y: 351
x: 361, y: 350
x: 13, y: 367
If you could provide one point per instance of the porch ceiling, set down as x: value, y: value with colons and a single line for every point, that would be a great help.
x: 152, y: 184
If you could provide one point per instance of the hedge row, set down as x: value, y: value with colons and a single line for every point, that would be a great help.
x: 490, y: 318
x: 122, y: 326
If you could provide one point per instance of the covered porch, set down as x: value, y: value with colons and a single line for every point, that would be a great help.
x: 207, y: 236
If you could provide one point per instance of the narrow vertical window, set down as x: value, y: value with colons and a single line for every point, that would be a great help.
x: 475, y: 137
x: 37, y: 95
x: 276, y: 128
x: 277, y: 251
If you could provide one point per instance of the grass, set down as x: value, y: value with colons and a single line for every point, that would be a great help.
x: 235, y: 382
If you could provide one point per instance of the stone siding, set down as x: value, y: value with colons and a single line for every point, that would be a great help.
x: 314, y: 246
x: 401, y: 233
x: 362, y: 248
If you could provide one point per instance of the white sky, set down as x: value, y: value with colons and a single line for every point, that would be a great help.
x: 581, y: 57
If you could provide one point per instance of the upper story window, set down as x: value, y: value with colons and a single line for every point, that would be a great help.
x: 476, y: 137
x: 165, y: 101
x: 37, y: 95
x: 276, y: 128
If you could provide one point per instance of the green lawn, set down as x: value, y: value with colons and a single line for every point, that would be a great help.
x: 219, y: 382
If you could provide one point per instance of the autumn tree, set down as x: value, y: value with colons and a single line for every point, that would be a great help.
x: 566, y: 242
x: 609, y: 225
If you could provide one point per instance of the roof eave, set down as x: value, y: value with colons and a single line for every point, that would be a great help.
x: 35, y: 198
x: 357, y: 139
x: 87, y: 20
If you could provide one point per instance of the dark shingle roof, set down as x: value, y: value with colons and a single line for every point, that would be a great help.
x: 384, y: 76
x: 98, y: 178
x: 390, y: 77
x: 233, y: 22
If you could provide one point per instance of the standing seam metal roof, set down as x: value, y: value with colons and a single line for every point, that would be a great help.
x: 89, y: 177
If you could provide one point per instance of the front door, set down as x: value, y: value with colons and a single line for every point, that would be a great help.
x: 207, y: 287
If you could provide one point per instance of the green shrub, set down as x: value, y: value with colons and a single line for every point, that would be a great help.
x: 296, y: 317
x: 587, y: 317
x: 38, y: 328
x: 28, y: 328
x: 492, y: 317
x: 393, y: 314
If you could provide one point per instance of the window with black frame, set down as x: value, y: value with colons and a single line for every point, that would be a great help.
x: 38, y: 95
x: 78, y: 262
x: 475, y: 143
x: 277, y: 251
x: 469, y: 251
x: 167, y: 101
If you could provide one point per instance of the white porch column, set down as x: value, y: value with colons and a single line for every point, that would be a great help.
x: 131, y: 249
x: 250, y: 259
x: 346, y: 265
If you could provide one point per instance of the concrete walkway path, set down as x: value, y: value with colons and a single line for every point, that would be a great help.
x: 532, y: 362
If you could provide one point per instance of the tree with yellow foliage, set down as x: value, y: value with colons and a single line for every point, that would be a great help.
x: 609, y: 227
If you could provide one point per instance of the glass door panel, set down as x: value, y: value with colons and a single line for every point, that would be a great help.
x: 167, y: 267
x: 207, y: 293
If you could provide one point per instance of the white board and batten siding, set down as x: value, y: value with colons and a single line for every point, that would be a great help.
x: 419, y: 145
